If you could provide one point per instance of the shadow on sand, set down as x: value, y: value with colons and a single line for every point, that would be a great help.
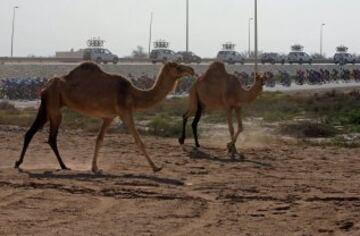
x: 196, y: 153
x: 87, y: 175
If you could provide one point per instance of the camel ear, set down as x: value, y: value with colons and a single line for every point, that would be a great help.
x: 179, y: 68
x: 172, y: 64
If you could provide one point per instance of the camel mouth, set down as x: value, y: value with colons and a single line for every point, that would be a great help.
x: 189, y: 72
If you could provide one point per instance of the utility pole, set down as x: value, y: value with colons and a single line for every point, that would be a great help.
x: 256, y: 40
x: 12, y: 32
x: 150, y: 33
x: 187, y: 25
x: 321, y: 38
x: 249, y: 34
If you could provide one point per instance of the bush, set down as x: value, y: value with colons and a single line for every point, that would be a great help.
x: 7, y: 106
x: 165, y: 126
x: 309, y: 130
x: 354, y: 117
x: 77, y: 121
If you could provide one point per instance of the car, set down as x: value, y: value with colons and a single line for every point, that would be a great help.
x: 164, y: 55
x: 230, y: 56
x: 299, y: 57
x: 272, y: 58
x: 100, y: 55
x: 343, y: 58
x: 189, y: 57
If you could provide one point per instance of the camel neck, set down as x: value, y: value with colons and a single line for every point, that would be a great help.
x: 254, y: 91
x: 147, y: 98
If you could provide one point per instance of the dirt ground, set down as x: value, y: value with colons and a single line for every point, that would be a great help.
x: 277, y: 190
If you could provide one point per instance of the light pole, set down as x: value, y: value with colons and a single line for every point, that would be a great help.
x: 256, y: 40
x: 12, y: 32
x: 321, y: 38
x: 150, y: 33
x: 249, y: 34
x: 187, y: 25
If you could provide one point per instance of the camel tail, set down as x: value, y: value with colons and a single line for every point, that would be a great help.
x: 38, y: 124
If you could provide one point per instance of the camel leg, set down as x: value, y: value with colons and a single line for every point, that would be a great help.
x: 195, y: 123
x: 192, y: 109
x: 239, y: 130
x: 183, y: 133
x: 99, y: 140
x: 55, y: 121
x: 39, y: 122
x: 230, y: 145
x: 129, y: 122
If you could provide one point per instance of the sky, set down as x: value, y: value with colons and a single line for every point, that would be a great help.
x: 45, y: 26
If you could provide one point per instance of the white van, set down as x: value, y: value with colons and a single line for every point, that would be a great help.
x: 164, y: 55
x: 230, y: 56
x: 299, y: 57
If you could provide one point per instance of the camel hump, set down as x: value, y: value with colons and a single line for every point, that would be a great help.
x: 86, y: 67
x: 217, y: 67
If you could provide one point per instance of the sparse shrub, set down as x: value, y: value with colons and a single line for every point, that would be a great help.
x: 354, y: 117
x: 77, y: 121
x: 215, y: 117
x: 184, y: 85
x: 309, y: 130
x: 344, y: 142
x: 165, y: 126
x: 7, y: 106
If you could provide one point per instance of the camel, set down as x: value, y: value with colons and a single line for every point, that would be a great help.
x: 92, y: 92
x: 217, y: 89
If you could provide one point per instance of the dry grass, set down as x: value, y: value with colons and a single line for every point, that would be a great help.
x: 328, y: 114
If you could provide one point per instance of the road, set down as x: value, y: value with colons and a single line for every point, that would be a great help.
x: 124, y: 59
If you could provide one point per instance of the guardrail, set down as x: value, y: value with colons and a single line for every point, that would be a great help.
x: 121, y: 60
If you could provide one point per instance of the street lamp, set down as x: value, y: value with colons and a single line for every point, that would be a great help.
x: 256, y: 39
x: 187, y: 25
x: 321, y: 38
x: 12, y: 32
x: 150, y: 33
x: 249, y: 34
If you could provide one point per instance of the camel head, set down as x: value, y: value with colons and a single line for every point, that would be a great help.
x: 178, y: 71
x: 262, y: 78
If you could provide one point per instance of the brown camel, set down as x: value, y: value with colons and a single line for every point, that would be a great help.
x: 92, y: 92
x: 217, y: 89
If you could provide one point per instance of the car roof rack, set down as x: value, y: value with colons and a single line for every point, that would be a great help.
x: 342, y: 48
x: 228, y: 46
x: 95, y: 42
x: 161, y: 44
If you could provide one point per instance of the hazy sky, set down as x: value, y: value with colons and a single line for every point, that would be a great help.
x: 46, y: 26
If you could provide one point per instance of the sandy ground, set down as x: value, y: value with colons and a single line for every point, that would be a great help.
x: 277, y: 190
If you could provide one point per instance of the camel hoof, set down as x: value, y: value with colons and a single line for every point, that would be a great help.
x: 95, y: 169
x: 237, y: 156
x: 181, y: 141
x: 65, y: 168
x: 230, y: 147
x: 17, y: 165
x: 98, y: 172
x: 157, y: 169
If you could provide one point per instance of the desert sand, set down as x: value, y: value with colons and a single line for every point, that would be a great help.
x: 278, y: 190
